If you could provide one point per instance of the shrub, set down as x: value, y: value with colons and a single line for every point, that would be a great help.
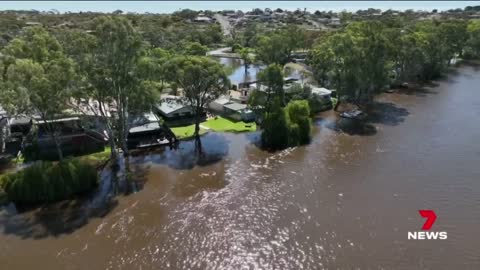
x: 287, y: 127
x: 49, y: 181
x: 298, y: 120
x: 275, y: 130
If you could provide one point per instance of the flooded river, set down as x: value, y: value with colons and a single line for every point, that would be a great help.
x: 346, y: 201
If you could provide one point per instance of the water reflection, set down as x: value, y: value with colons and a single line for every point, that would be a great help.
x: 238, y: 74
x: 214, y: 146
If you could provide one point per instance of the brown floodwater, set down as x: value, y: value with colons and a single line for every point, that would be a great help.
x: 346, y: 201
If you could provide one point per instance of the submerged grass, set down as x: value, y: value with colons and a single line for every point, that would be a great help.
x: 224, y: 125
x: 184, y: 133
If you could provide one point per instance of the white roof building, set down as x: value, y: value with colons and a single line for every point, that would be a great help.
x: 173, y: 106
x: 320, y: 91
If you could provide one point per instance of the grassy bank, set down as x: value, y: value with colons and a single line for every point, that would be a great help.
x: 219, y: 124
x: 185, y: 133
x: 224, y: 125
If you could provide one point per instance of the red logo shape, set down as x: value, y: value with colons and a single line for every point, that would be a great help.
x: 431, y: 217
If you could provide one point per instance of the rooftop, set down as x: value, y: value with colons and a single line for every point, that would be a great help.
x: 321, y: 91
x: 171, y: 104
x: 235, y: 106
x: 146, y: 127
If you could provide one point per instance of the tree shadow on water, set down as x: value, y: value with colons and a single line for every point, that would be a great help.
x: 419, y: 91
x: 212, y: 148
x: 384, y: 113
x: 50, y: 220
x: 351, y: 127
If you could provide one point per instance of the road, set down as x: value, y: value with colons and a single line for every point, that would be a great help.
x: 226, y: 27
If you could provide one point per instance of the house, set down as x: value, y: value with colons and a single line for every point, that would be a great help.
x: 16, y: 130
x: 323, y: 98
x: 73, y: 138
x: 203, y: 19
x: 323, y: 20
x: 240, y: 96
x: 239, y: 112
x: 217, y: 104
x: 289, y: 82
x: 145, y: 131
x: 175, y: 111
x: 229, y: 108
x: 321, y: 92
x: 335, y: 22
x: 33, y: 24
x: 173, y: 107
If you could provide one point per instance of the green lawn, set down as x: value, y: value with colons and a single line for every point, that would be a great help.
x: 186, y: 132
x: 96, y: 158
x: 225, y: 125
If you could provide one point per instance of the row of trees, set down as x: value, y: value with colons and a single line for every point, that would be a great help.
x: 113, y: 73
x: 367, y: 56
x: 160, y: 30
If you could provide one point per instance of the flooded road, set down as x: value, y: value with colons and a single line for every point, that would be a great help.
x: 346, y: 201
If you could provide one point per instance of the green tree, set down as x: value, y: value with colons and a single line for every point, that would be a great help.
x: 355, y: 62
x: 298, y: 119
x: 473, y: 41
x: 246, y: 57
x: 273, y: 49
x: 202, y: 80
x: 275, y: 133
x: 114, y: 77
x: 454, y: 35
x: 194, y: 48
x: 435, y: 51
x: 38, y: 79
x: 272, y: 78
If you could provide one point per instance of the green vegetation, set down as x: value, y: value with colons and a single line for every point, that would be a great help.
x: 275, y: 133
x: 45, y: 182
x: 187, y: 132
x: 224, y: 125
x: 289, y: 126
x: 362, y: 59
x: 219, y: 124
x: 36, y: 78
x: 298, y: 120
x: 96, y: 159
x: 202, y: 80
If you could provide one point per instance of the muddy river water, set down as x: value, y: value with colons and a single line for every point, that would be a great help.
x: 346, y: 201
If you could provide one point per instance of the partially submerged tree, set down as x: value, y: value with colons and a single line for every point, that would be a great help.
x: 115, y: 63
x: 202, y: 80
x: 354, y: 62
x: 272, y: 79
x: 246, y: 57
x: 114, y: 83
x: 38, y: 78
x: 473, y: 41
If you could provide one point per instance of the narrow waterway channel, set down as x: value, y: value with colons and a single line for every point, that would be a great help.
x: 346, y: 201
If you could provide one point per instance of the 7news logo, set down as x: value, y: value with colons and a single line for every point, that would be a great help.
x: 426, y: 234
